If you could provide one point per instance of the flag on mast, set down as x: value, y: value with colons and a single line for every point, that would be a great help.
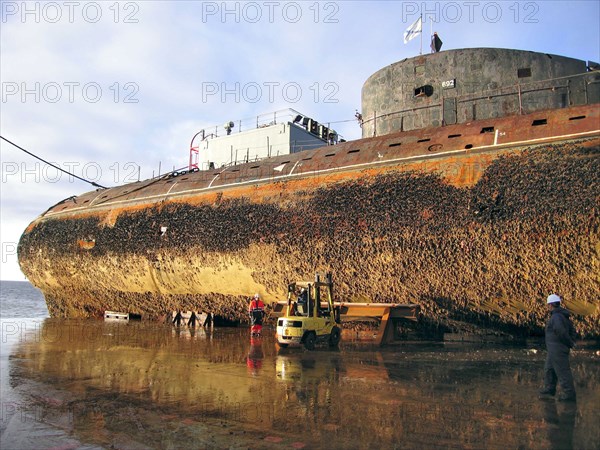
x: 413, y: 30
x: 436, y: 43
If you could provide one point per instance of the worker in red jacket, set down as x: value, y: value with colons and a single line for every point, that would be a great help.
x: 256, y: 310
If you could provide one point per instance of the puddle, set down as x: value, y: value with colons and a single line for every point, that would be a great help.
x: 89, y: 384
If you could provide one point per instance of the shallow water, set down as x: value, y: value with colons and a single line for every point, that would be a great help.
x: 92, y: 384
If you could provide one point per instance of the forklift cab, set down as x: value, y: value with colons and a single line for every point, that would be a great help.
x: 308, y: 299
x: 301, y: 305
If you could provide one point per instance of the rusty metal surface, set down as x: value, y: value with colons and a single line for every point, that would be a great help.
x: 449, y: 149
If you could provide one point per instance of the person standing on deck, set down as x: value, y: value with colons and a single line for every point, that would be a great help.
x: 560, y: 339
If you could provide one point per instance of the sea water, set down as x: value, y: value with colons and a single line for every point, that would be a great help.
x: 88, y: 384
x: 20, y: 299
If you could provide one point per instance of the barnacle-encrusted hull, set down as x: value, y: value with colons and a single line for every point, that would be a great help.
x: 475, y: 226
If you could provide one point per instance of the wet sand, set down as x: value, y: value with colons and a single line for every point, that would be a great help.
x: 91, y: 384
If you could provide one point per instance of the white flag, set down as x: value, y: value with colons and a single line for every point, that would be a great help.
x: 413, y: 30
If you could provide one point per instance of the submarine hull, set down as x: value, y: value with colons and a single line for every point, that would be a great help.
x: 477, y: 223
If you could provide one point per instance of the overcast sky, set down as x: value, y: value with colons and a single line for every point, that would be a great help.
x: 100, y: 88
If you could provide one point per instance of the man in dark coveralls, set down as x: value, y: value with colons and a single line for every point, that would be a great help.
x: 560, y: 339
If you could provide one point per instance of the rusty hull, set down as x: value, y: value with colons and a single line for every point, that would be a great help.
x: 476, y: 223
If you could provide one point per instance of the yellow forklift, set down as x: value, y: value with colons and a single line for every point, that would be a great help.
x: 310, y: 316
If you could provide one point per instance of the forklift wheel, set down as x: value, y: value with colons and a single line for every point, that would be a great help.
x: 309, y: 341
x: 334, y: 337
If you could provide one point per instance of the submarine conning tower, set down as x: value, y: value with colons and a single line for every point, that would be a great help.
x: 459, y: 86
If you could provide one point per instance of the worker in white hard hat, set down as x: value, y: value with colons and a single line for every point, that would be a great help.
x: 560, y: 339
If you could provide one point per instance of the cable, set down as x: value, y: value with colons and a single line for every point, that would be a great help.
x: 342, y: 121
x: 52, y: 165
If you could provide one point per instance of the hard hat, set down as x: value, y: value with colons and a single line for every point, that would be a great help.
x: 553, y: 298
